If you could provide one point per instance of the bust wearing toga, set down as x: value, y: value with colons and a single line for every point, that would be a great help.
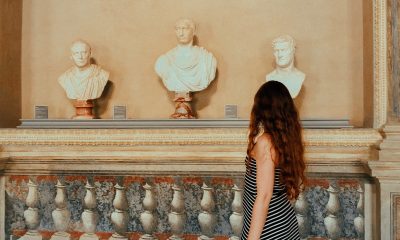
x: 186, y: 68
x: 84, y: 81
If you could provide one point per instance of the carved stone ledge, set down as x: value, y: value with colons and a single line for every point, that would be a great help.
x: 3, y: 160
x: 390, y: 147
x: 206, y: 136
x: 175, y: 151
x: 385, y: 170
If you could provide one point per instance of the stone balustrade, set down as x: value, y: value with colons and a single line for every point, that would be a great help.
x: 108, y: 207
x: 171, y: 184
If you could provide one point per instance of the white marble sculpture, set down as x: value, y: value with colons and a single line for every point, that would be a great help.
x: 285, y: 71
x: 83, y: 81
x: 186, y: 68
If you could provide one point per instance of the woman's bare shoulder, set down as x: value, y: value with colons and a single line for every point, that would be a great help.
x: 263, y: 140
x: 263, y: 149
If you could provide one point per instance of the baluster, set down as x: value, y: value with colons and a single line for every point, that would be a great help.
x: 206, y: 217
x: 89, y: 215
x: 301, y: 208
x: 331, y: 221
x: 236, y: 218
x: 31, y: 214
x: 61, y: 215
x: 177, y: 216
x: 119, y: 216
x: 359, y: 220
x: 147, y: 217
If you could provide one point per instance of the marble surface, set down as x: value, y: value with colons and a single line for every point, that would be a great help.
x: 16, y: 191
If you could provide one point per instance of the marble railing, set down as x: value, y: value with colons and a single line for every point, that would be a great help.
x: 171, y: 183
x: 159, y: 207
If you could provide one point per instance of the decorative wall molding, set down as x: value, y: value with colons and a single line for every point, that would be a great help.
x: 380, y: 63
x: 205, y: 136
x: 172, y: 151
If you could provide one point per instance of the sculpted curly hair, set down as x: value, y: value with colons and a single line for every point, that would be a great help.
x: 275, y: 113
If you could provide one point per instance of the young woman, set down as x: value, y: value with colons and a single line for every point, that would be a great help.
x: 274, y: 166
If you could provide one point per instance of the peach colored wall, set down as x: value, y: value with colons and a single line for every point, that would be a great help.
x: 128, y: 36
x: 10, y: 62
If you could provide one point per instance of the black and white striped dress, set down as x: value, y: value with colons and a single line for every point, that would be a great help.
x: 281, y: 222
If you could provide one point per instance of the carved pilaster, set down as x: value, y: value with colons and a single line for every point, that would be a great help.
x: 387, y: 171
x: 380, y: 63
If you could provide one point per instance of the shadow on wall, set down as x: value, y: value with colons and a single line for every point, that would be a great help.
x: 298, y: 101
x: 202, y: 99
x: 101, y: 104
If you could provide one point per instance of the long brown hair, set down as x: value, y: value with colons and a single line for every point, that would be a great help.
x: 274, y: 112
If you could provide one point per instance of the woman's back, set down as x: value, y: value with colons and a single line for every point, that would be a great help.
x: 281, y: 221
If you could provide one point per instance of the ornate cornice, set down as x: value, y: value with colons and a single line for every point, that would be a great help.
x: 385, y: 170
x: 342, y: 137
x: 380, y: 63
x: 207, y: 136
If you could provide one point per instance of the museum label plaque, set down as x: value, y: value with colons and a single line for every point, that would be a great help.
x: 119, y: 112
x: 230, y: 111
x: 41, y: 112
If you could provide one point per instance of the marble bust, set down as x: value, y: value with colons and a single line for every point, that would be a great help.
x: 285, y: 71
x: 83, y: 81
x: 186, y: 68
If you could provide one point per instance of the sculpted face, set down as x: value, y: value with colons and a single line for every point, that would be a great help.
x: 184, y: 32
x: 284, y: 54
x: 80, y: 54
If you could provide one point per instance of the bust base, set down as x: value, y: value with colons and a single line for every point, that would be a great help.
x: 83, y: 109
x: 183, y: 109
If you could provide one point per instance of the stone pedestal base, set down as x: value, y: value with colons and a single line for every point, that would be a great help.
x: 183, y: 110
x: 204, y: 237
x: 117, y: 236
x: 147, y: 237
x: 175, y: 237
x: 61, y: 236
x: 32, y: 235
x: 89, y: 236
x: 84, y: 109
